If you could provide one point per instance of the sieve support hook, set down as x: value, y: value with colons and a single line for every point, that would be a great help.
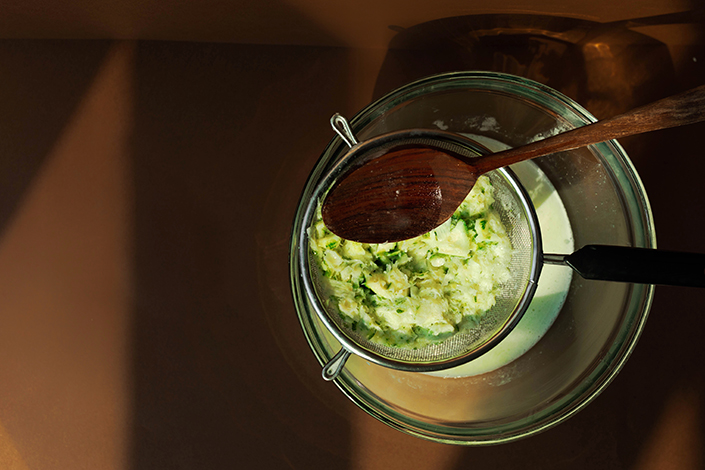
x: 335, y: 365
x: 342, y: 128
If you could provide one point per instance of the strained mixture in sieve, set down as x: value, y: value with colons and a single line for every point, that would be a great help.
x: 513, y: 294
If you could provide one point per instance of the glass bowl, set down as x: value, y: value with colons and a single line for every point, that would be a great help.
x: 599, y: 322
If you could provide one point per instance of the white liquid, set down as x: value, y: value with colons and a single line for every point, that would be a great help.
x: 554, y: 281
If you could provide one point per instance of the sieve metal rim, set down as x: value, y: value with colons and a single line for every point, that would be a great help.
x: 350, y: 345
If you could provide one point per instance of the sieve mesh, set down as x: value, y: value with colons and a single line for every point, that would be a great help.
x: 516, y: 214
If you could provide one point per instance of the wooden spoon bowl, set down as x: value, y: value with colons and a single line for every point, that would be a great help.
x: 406, y: 183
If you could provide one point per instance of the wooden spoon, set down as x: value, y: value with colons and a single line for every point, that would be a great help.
x: 407, y: 190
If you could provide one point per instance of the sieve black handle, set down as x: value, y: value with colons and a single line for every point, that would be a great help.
x: 638, y: 265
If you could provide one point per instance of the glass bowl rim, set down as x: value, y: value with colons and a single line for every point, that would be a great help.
x: 620, y: 168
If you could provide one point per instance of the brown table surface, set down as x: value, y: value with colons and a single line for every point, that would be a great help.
x: 146, y: 320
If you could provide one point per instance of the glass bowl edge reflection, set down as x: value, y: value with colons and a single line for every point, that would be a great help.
x: 620, y: 167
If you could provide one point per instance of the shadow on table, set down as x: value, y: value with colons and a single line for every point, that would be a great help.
x: 222, y: 374
x: 41, y: 85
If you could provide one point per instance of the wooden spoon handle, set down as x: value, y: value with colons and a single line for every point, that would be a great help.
x: 678, y: 110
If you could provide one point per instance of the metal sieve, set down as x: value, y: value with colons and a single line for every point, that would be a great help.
x: 516, y: 213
